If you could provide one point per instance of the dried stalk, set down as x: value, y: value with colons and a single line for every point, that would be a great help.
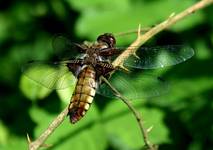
x: 141, y: 39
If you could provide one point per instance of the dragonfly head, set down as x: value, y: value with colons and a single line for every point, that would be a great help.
x: 107, y: 38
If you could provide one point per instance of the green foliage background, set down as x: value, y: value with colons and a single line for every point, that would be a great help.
x: 181, y: 119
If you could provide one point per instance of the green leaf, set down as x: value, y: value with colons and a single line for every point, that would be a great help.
x: 66, y: 94
x: 189, y: 22
x: 33, y: 90
x: 16, y: 143
x: 85, y: 5
x: 4, y: 134
x: 9, y: 141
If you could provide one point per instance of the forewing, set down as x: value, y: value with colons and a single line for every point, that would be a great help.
x: 136, y: 87
x: 51, y: 75
x: 160, y: 56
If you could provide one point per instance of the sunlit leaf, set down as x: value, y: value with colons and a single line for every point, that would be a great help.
x: 15, y: 142
x: 33, y: 90
x: 4, y: 134
x: 9, y: 141
x: 66, y: 94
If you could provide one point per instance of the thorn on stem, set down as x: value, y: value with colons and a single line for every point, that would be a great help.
x: 46, y: 145
x: 172, y: 15
x: 139, y: 30
x: 28, y: 139
x: 124, y: 68
x: 134, y: 54
x: 149, y: 129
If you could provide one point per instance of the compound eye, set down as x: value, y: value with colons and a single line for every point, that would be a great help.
x: 107, y: 38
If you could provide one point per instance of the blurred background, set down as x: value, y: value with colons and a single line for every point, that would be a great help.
x: 181, y: 119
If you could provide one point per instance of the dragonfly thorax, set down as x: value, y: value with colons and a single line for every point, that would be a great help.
x: 93, y: 53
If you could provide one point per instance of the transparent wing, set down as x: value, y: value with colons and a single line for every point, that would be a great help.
x: 63, y: 48
x: 52, y: 76
x: 137, y: 87
x: 160, y: 56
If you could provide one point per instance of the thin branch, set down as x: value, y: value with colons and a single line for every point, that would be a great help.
x: 41, y: 139
x: 141, y: 39
x: 135, y: 113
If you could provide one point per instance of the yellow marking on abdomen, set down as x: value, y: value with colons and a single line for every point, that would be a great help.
x: 83, y: 95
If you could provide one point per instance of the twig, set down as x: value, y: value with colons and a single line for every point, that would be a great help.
x: 134, y: 111
x: 141, y: 39
x: 41, y: 139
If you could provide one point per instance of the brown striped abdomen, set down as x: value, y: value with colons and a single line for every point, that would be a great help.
x: 83, y: 94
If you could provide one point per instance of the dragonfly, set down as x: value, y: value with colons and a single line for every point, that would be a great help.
x: 95, y: 61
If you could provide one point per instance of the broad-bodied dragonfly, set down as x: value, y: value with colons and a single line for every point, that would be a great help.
x: 94, y: 61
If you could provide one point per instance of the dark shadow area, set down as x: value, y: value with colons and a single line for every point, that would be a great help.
x: 14, y: 112
x: 51, y: 104
x: 179, y: 136
x: 101, y: 102
x: 189, y: 125
x: 187, y: 70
